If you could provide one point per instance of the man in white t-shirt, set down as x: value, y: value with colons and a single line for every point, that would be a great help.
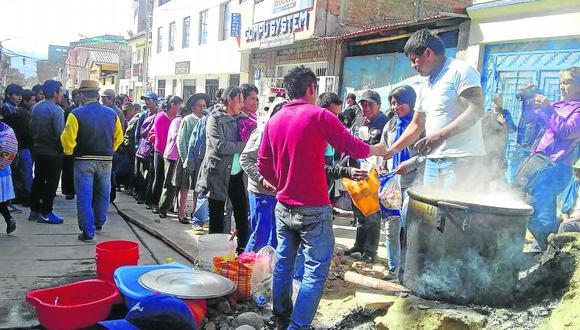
x: 449, y: 109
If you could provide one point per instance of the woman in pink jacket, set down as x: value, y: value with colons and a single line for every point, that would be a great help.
x: 159, y: 136
x: 170, y: 156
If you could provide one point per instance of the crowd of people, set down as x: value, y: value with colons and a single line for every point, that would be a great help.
x: 277, y: 173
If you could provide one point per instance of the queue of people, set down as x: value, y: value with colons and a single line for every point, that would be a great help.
x: 278, y: 175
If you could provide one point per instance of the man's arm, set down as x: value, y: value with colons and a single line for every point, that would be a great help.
x: 68, y: 138
x: 249, y: 157
x: 59, y: 121
x: 472, y: 99
x: 117, y: 133
x: 265, y: 158
x: 410, y: 135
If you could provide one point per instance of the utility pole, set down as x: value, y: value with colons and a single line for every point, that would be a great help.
x: 148, y: 22
x: 1, y: 67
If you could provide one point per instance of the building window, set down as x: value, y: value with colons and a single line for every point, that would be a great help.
x: 211, y: 88
x: 159, y: 39
x: 161, y: 88
x: 174, y: 87
x: 185, y: 34
x: 234, y: 80
x: 188, y: 88
x: 225, y: 17
x: 203, y: 27
x: 171, y: 36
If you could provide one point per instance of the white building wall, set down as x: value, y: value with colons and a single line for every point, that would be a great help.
x: 528, y: 21
x: 213, y: 60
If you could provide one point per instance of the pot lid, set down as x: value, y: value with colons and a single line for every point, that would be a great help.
x: 187, y: 284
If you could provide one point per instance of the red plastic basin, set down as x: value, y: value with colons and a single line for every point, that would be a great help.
x: 75, y: 305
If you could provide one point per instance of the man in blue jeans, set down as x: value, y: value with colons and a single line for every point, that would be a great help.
x: 449, y: 109
x: 291, y: 159
x: 92, y: 134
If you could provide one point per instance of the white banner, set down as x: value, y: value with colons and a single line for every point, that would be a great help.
x: 269, y: 9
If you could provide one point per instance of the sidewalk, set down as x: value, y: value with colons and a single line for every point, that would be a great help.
x: 183, y: 235
x: 40, y: 255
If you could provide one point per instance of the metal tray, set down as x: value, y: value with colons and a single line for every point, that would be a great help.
x: 187, y: 284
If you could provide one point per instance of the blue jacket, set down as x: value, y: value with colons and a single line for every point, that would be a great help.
x: 46, y: 126
x: 93, y: 132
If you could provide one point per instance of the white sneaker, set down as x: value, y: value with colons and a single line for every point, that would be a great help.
x: 393, y: 275
x: 197, y: 229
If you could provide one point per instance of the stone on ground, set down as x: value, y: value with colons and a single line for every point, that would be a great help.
x: 250, y: 318
x: 566, y: 315
x: 416, y: 313
x: 373, y: 299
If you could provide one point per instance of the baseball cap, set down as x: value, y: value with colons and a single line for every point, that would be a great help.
x: 50, y: 87
x: 108, y: 93
x: 370, y: 96
x: 14, y: 89
x: 149, y: 95
x: 158, y: 311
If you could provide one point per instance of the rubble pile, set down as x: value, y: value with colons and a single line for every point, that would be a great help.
x: 547, y: 293
x: 223, y: 314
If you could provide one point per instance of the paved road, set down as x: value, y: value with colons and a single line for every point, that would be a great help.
x: 183, y: 236
x: 40, y: 255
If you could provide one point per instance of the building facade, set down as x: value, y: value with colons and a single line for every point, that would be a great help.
x: 135, y: 81
x: 278, y: 35
x: 192, y: 50
x: 517, y: 43
x: 103, y: 58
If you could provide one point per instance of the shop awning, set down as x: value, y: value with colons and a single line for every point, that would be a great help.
x: 441, y: 19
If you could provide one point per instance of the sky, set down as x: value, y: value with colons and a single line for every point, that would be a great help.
x: 31, y: 25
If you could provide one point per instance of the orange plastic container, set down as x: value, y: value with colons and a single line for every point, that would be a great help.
x: 364, y: 193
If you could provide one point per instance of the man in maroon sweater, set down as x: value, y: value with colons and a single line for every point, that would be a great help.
x: 291, y: 158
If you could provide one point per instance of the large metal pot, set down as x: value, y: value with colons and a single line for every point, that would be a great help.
x: 464, y: 251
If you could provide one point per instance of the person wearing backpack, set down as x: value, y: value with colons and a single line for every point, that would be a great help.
x: 221, y: 175
x: 143, y: 158
x: 8, y: 150
x: 186, y: 178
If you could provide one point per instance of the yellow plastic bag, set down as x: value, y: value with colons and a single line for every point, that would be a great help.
x: 364, y: 193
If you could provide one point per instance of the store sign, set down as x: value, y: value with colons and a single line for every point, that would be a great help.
x: 279, y: 41
x: 236, y: 25
x: 278, y: 27
x: 182, y: 67
x: 269, y: 9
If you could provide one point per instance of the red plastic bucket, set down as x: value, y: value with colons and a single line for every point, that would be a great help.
x: 111, y: 255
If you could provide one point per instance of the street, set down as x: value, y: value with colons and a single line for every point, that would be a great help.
x: 41, y: 255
